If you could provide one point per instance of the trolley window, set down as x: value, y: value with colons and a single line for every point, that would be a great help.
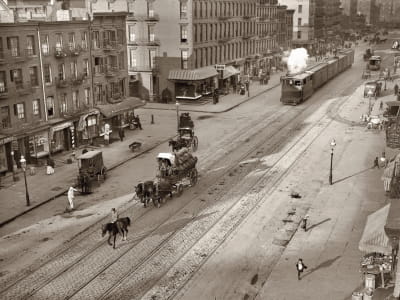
x: 297, y: 82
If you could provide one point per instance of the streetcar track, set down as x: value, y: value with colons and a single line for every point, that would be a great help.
x: 243, y: 132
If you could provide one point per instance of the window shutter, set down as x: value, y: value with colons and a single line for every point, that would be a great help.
x: 15, y: 110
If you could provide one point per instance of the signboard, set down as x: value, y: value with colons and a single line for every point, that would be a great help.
x: 220, y: 67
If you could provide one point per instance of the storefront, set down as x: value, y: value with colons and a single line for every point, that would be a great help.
x: 392, y: 230
x: 60, y: 137
x: 118, y: 115
x: 229, y: 81
x: 88, y: 127
x: 39, y: 145
x: 5, y: 154
x: 193, y: 84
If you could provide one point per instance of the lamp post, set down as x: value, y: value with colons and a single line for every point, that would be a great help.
x: 369, y: 102
x: 23, y: 165
x: 333, y: 144
x: 177, y: 115
x: 13, y: 167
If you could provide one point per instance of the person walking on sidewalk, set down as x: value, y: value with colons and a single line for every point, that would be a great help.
x: 300, y: 266
x: 71, y: 197
x: 121, y: 133
x: 396, y: 89
x: 376, y: 162
x: 304, y: 222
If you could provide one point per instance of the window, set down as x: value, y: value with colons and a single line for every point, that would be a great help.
x: 97, y: 93
x: 71, y: 41
x: 75, y: 101
x: 84, y: 40
x: 73, y: 70
x: 91, y: 120
x: 47, y: 74
x: 45, y: 45
x: 131, y: 8
x: 19, y: 110
x: 3, y: 82
x: 184, y: 59
x: 33, y: 75
x: 96, y: 39
x: 50, y: 106
x: 98, y: 65
x: 59, y: 42
x: 13, y: 46
x: 151, y: 33
x: 299, y: 22
x: 299, y: 34
x: 183, y: 9
x: 300, y: 10
x: 184, y: 33
x: 61, y: 72
x: 30, y: 45
x: 16, y: 77
x: 86, y: 67
x: 152, y: 56
x: 132, y: 35
x: 121, y: 60
x: 36, y: 107
x: 63, y: 104
x: 87, y: 96
x: 150, y: 9
x: 132, y: 58
x: 5, y: 117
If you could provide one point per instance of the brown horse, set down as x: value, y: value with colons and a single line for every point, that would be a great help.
x: 112, y: 229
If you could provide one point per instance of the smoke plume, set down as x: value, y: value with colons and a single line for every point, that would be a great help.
x: 297, y: 60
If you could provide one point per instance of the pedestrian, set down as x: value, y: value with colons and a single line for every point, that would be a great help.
x: 381, y: 105
x: 121, y: 133
x: 71, y: 197
x: 248, y: 88
x: 396, y: 89
x: 300, y: 266
x: 114, y: 219
x: 138, y: 122
x: 376, y: 162
x: 304, y: 222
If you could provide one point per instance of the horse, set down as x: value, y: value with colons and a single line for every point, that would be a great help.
x: 112, y: 229
x: 145, y: 190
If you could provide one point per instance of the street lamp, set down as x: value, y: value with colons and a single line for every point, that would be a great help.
x: 333, y: 144
x: 23, y: 165
x: 13, y: 167
x: 177, y: 115
x: 370, y: 93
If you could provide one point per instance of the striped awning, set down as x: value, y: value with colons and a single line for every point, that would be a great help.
x: 192, y: 75
x: 374, y: 238
x: 230, y: 71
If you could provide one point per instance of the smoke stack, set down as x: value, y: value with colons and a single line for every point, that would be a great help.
x: 297, y: 61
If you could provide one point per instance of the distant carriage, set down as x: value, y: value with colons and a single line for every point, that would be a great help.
x: 91, y: 168
x: 186, y: 137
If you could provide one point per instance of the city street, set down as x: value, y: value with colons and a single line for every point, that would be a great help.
x: 235, y: 234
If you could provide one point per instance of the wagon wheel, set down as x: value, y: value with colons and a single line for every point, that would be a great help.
x: 193, y: 177
x: 179, y: 190
x: 195, y: 143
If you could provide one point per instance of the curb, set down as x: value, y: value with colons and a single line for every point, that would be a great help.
x: 63, y: 192
x: 217, y: 112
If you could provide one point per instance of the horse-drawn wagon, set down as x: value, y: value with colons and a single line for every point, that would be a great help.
x: 91, y: 168
x: 176, y: 171
x: 186, y: 137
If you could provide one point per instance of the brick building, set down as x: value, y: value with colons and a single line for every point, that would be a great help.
x: 59, y: 83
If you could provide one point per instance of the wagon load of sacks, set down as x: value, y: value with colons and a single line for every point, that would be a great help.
x: 184, y: 160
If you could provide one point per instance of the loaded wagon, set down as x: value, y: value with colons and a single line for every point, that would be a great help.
x: 91, y: 168
x: 176, y: 171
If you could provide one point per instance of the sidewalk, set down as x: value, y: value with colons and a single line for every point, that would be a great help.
x: 226, y: 102
x: 43, y: 188
x: 337, y: 214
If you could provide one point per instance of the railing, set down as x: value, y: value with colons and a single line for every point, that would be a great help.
x: 3, y: 93
x: 59, y: 52
x: 111, y: 45
x: 74, y: 50
x: 78, y: 79
x: 61, y: 83
x: 111, y: 70
x: 151, y: 17
x: 142, y: 42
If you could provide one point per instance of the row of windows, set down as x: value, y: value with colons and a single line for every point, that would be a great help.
x: 205, y: 9
x: 215, y: 31
x: 133, y: 59
x: 16, y: 77
x: 14, y: 47
x: 151, y: 36
x: 219, y: 54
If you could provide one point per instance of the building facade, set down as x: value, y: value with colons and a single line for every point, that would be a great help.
x: 389, y: 13
x: 370, y: 9
x: 59, y: 83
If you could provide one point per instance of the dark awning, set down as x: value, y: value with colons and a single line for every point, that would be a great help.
x: 192, y: 75
x: 111, y: 110
x: 374, y: 238
x: 392, y: 227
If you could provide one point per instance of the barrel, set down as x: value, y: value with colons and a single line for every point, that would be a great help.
x: 357, y: 296
x: 370, y: 281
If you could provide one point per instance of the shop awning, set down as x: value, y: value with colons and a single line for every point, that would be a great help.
x: 193, y: 75
x: 392, y: 227
x: 82, y: 119
x: 374, y: 238
x: 111, y: 110
x: 387, y: 175
x: 230, y: 71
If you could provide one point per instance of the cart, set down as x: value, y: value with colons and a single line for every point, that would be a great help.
x: 135, y: 146
x: 176, y: 171
x: 91, y: 168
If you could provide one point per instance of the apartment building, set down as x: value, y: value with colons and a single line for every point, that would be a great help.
x: 389, y: 13
x: 370, y: 9
x: 327, y: 18
x: 60, y: 82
